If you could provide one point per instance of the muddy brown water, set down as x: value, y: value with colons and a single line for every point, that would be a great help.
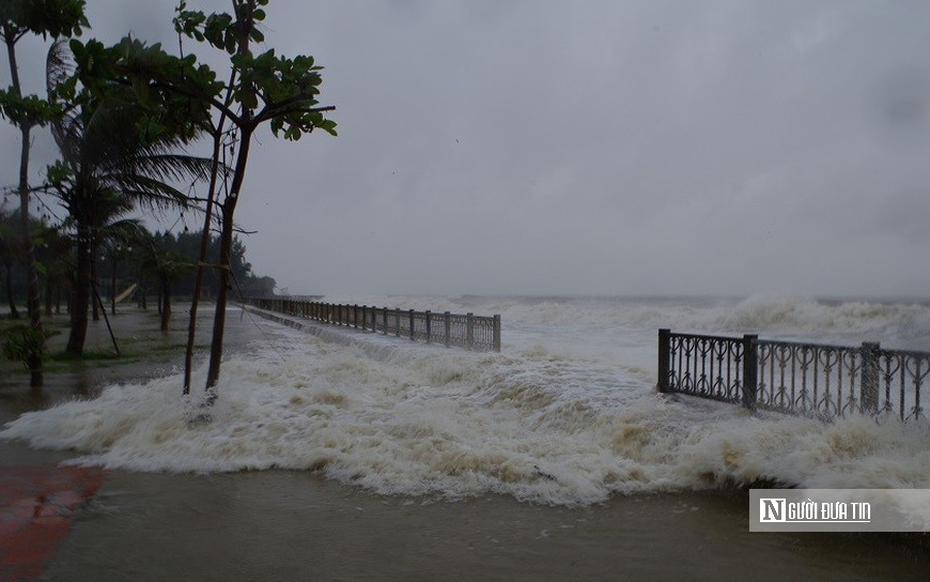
x: 291, y: 525
x: 286, y: 525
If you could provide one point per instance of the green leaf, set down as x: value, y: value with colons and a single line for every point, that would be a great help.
x: 329, y: 127
x: 141, y: 88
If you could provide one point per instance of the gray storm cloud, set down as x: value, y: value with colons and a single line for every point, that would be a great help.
x: 724, y: 147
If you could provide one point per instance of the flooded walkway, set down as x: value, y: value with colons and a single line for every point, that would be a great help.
x: 36, y: 506
x: 287, y: 525
x: 277, y: 525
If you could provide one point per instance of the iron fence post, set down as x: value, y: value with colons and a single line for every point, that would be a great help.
x: 470, y: 330
x: 497, y: 333
x: 750, y: 371
x: 665, y: 346
x: 447, y: 323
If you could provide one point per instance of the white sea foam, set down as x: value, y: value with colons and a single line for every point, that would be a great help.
x: 905, y: 324
x: 534, y: 422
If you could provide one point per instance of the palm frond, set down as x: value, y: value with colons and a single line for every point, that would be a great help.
x: 68, y: 133
x: 59, y: 65
x: 110, y: 134
x: 125, y: 231
x: 109, y: 204
x: 67, y: 130
x: 151, y: 193
x: 172, y: 167
x: 114, y: 169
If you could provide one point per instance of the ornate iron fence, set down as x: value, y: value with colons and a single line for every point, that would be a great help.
x: 822, y: 381
x: 470, y: 331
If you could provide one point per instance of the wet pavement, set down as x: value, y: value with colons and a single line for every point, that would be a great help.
x: 63, y: 522
x: 39, y: 496
x: 36, y: 507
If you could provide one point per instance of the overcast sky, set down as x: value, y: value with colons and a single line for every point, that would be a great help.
x: 588, y: 147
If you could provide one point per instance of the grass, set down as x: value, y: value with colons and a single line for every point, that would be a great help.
x: 141, y: 344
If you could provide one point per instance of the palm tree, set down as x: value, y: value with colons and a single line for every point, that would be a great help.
x: 53, y: 252
x: 109, y: 227
x: 106, y: 168
x: 168, y: 266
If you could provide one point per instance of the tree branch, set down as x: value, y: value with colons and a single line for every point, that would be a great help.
x: 270, y: 113
x: 222, y: 107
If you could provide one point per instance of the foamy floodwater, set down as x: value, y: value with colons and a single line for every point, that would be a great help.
x: 536, y: 422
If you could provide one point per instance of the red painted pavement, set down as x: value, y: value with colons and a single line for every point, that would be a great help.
x: 36, y: 505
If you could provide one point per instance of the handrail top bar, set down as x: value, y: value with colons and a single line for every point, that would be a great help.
x: 811, y: 345
x: 791, y: 343
x: 465, y: 330
x: 705, y: 336
x: 316, y: 299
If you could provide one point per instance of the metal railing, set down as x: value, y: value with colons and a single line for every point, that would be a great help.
x: 822, y: 381
x: 470, y: 331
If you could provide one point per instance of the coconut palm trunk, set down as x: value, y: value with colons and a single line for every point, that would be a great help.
x: 80, y: 299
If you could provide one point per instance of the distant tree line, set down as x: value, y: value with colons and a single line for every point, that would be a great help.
x: 130, y: 256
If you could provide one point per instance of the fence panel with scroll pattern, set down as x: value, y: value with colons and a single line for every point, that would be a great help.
x: 817, y: 380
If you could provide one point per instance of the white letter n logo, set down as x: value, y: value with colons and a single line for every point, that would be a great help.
x: 771, y: 509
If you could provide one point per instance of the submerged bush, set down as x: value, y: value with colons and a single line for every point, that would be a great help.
x: 25, y: 344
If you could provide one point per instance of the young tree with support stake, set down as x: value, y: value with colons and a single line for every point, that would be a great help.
x: 267, y: 88
x: 263, y: 89
x: 18, y: 18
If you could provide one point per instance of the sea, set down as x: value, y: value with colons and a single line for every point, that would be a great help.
x: 566, y: 414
